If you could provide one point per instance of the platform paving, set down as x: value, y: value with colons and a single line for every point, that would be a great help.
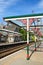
x: 19, y: 58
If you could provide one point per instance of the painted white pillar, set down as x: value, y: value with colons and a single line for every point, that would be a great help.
x: 27, y: 31
x: 28, y: 39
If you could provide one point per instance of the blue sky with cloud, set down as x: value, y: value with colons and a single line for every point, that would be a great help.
x: 19, y: 7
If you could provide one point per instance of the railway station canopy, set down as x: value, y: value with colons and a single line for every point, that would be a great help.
x: 32, y: 21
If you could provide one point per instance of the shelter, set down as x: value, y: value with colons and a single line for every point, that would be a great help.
x: 30, y: 21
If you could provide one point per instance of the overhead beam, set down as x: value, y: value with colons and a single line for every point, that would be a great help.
x: 39, y: 15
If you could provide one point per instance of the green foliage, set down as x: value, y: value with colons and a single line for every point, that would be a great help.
x: 24, y: 34
x: 31, y: 36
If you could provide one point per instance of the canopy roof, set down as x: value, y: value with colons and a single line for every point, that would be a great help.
x: 23, y: 18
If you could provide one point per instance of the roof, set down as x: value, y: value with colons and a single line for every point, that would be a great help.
x: 23, y: 18
x: 5, y: 30
x: 13, y: 23
x: 20, y: 16
x: 18, y: 23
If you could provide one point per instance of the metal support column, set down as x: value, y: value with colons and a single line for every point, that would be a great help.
x: 35, y: 46
x: 28, y: 39
x: 35, y: 43
x: 35, y: 34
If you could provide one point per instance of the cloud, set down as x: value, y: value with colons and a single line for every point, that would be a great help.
x: 5, y: 4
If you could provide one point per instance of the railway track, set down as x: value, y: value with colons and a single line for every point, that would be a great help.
x: 6, y: 51
x: 9, y: 49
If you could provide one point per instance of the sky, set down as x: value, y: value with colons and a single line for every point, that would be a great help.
x: 19, y: 7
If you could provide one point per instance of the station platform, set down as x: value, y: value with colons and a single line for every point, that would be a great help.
x: 19, y: 58
x: 2, y: 44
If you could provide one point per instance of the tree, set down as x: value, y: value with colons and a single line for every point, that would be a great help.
x: 24, y: 34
